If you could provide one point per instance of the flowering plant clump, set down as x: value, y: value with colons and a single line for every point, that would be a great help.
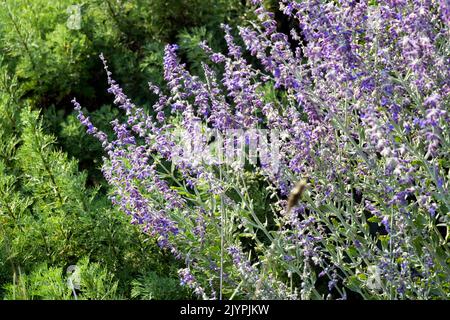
x: 353, y: 103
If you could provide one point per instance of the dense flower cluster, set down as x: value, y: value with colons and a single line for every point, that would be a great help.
x: 361, y: 90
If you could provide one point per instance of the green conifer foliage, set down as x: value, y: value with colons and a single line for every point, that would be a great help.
x: 51, y: 219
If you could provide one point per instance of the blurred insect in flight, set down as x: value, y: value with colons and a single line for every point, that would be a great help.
x: 296, y: 194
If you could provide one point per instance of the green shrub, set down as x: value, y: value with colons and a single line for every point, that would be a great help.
x: 50, y: 216
x: 83, y: 281
x: 152, y: 286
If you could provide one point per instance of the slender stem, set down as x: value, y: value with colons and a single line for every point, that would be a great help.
x: 46, y: 167
x: 222, y: 213
x: 21, y: 37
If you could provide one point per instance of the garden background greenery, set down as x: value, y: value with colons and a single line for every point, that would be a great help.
x: 375, y: 190
x: 54, y: 210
